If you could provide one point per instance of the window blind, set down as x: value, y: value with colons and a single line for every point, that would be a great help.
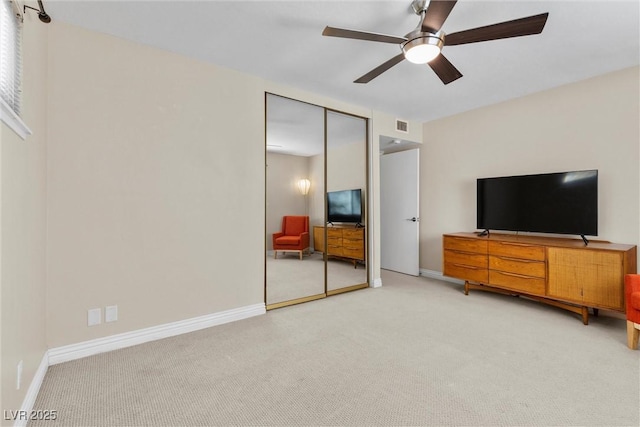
x: 10, y: 54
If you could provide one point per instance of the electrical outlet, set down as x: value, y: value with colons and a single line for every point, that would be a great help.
x: 19, y: 376
x: 111, y: 313
x: 94, y: 316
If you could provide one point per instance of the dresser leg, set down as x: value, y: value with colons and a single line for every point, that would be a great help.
x: 585, y: 315
x: 466, y: 287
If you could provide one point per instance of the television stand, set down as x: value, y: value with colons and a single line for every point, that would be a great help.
x: 584, y: 239
x: 483, y: 233
x: 561, y: 272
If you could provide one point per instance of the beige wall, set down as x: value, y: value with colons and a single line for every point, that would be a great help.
x: 593, y: 124
x: 283, y: 197
x: 156, y: 186
x: 23, y: 226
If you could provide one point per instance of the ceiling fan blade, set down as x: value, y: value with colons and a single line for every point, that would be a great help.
x: 360, y: 35
x: 503, y: 30
x: 437, y: 13
x: 380, y: 69
x: 444, y: 69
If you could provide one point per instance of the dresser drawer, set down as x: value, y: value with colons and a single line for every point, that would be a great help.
x: 519, y: 266
x: 517, y: 282
x: 465, y: 272
x: 353, y: 253
x: 465, y: 245
x: 352, y: 244
x: 334, y: 241
x: 465, y: 258
x: 353, y: 233
x: 334, y: 250
x: 334, y: 232
x: 517, y: 250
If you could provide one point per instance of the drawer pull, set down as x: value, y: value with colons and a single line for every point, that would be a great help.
x: 524, y: 245
x: 466, y: 252
x: 467, y: 266
x: 515, y: 275
x: 517, y: 259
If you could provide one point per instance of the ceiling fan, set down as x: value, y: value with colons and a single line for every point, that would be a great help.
x: 424, y: 44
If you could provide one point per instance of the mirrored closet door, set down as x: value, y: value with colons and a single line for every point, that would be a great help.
x: 316, y: 192
x: 346, y: 155
x: 294, y: 201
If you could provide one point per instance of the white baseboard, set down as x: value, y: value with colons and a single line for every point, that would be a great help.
x: 376, y: 283
x: 140, y: 336
x: 432, y: 274
x: 34, y: 389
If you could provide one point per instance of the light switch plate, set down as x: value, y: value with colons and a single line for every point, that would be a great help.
x: 111, y: 313
x: 94, y: 316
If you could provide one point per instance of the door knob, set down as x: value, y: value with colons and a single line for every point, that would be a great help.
x: 414, y: 219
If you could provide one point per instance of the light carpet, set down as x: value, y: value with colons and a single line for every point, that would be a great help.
x: 289, y: 278
x: 414, y: 352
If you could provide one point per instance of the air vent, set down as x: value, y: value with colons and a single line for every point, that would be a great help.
x: 402, y: 126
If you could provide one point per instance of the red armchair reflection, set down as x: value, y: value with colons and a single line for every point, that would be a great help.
x: 294, y: 236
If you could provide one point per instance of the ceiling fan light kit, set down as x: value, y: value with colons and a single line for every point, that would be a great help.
x: 424, y: 44
x: 422, y: 47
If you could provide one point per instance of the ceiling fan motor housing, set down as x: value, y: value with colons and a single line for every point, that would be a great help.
x: 420, y: 6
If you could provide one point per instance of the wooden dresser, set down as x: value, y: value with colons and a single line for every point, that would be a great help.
x: 557, y: 271
x: 342, y: 242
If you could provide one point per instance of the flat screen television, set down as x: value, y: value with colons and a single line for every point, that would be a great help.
x: 562, y: 203
x: 344, y: 206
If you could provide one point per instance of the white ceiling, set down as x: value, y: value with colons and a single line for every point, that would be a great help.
x: 281, y: 41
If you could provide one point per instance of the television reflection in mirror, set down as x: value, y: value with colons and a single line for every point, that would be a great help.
x: 345, y: 206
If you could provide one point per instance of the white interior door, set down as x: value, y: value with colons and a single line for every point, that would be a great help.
x: 399, y: 216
